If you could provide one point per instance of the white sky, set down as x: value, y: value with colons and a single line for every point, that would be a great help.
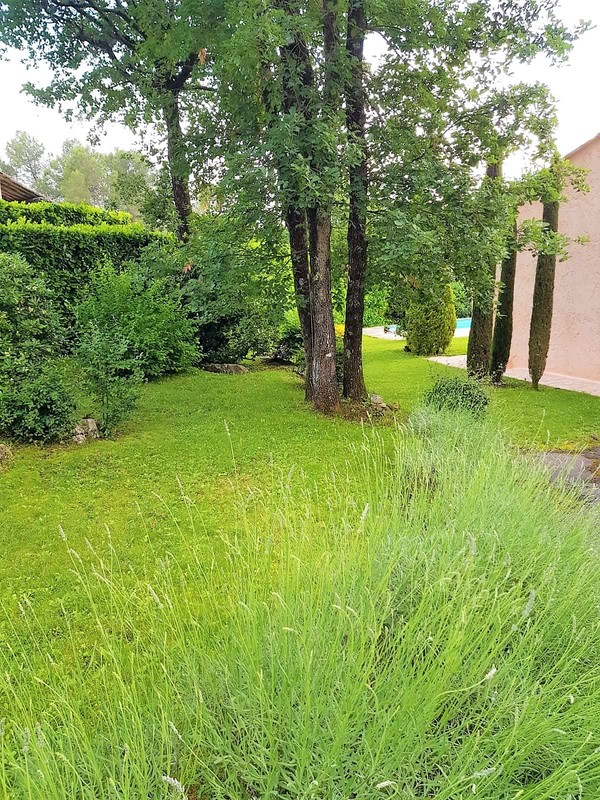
x: 575, y: 87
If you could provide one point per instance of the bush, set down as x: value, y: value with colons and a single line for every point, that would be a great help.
x: 289, y: 342
x: 61, y: 214
x: 430, y: 324
x: 111, y: 375
x: 67, y: 256
x: 147, y: 317
x: 30, y: 328
x: 36, y: 407
x: 458, y: 394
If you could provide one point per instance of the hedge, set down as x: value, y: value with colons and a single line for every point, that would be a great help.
x: 61, y: 214
x: 66, y: 255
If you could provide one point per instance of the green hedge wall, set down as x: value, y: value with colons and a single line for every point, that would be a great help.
x: 66, y: 255
x: 61, y: 214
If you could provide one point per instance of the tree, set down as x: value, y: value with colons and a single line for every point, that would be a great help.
x: 503, y: 325
x: 482, y: 319
x: 543, y: 300
x: 131, y: 59
x: 356, y: 120
x: 25, y: 159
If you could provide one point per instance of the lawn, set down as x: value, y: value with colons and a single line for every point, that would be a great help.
x: 287, y: 600
x: 211, y: 437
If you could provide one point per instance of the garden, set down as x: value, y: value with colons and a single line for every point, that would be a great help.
x: 247, y: 551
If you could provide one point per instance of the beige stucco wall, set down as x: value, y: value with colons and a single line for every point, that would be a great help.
x: 575, y: 337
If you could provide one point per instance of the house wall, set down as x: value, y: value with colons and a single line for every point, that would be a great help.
x: 575, y: 336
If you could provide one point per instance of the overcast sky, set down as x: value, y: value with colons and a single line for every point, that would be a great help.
x: 574, y: 86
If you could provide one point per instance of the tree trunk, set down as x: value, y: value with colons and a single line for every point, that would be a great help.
x: 178, y: 164
x: 503, y: 327
x: 543, y: 302
x: 324, y: 376
x: 482, y: 320
x: 298, y: 235
x: 354, y: 382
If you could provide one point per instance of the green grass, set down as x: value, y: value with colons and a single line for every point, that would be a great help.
x: 422, y: 625
x: 179, y: 432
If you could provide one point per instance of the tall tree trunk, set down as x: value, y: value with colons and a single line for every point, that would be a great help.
x: 503, y: 326
x: 543, y: 302
x: 298, y: 234
x: 356, y: 101
x: 482, y: 320
x: 324, y: 375
x: 297, y: 91
x: 178, y: 163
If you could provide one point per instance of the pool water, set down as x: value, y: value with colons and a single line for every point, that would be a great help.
x: 462, y: 324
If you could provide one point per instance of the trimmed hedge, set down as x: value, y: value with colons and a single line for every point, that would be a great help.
x: 61, y: 214
x: 67, y: 255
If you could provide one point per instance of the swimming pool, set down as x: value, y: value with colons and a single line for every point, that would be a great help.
x: 462, y: 324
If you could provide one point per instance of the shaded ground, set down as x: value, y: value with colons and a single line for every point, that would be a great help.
x: 581, y: 468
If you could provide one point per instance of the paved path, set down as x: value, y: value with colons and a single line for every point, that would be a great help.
x: 380, y: 333
x: 549, y: 378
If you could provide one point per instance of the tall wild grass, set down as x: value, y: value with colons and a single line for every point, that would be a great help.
x: 425, y: 625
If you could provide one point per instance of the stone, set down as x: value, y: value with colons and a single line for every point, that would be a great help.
x: 226, y: 369
x: 377, y: 400
x: 85, y: 431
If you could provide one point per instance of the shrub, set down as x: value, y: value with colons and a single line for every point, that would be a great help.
x: 289, y: 341
x: 67, y: 256
x: 61, y: 214
x: 111, y: 375
x: 30, y: 328
x: 146, y: 316
x: 430, y: 324
x: 458, y: 394
x: 36, y: 407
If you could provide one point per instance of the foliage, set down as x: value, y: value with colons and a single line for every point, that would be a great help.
x: 111, y: 374
x: 430, y: 323
x: 36, y: 404
x: 25, y: 159
x: 67, y: 256
x: 295, y: 636
x: 234, y: 285
x: 458, y: 394
x: 30, y: 328
x: 462, y: 300
x: 144, y: 317
x: 289, y: 341
x: 60, y: 214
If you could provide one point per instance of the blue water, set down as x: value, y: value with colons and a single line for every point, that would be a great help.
x: 463, y: 324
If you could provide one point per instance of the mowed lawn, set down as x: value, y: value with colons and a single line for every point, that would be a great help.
x: 213, y: 439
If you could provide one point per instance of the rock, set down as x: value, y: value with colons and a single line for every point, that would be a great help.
x: 380, y: 407
x: 86, y: 430
x: 5, y: 455
x: 378, y: 400
x: 226, y: 369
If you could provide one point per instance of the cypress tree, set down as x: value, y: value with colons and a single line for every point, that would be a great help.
x: 503, y: 326
x: 482, y: 319
x: 543, y: 301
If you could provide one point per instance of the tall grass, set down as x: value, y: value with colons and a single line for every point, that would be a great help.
x: 424, y: 626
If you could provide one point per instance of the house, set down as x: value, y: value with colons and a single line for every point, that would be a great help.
x: 575, y: 336
x: 11, y: 189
